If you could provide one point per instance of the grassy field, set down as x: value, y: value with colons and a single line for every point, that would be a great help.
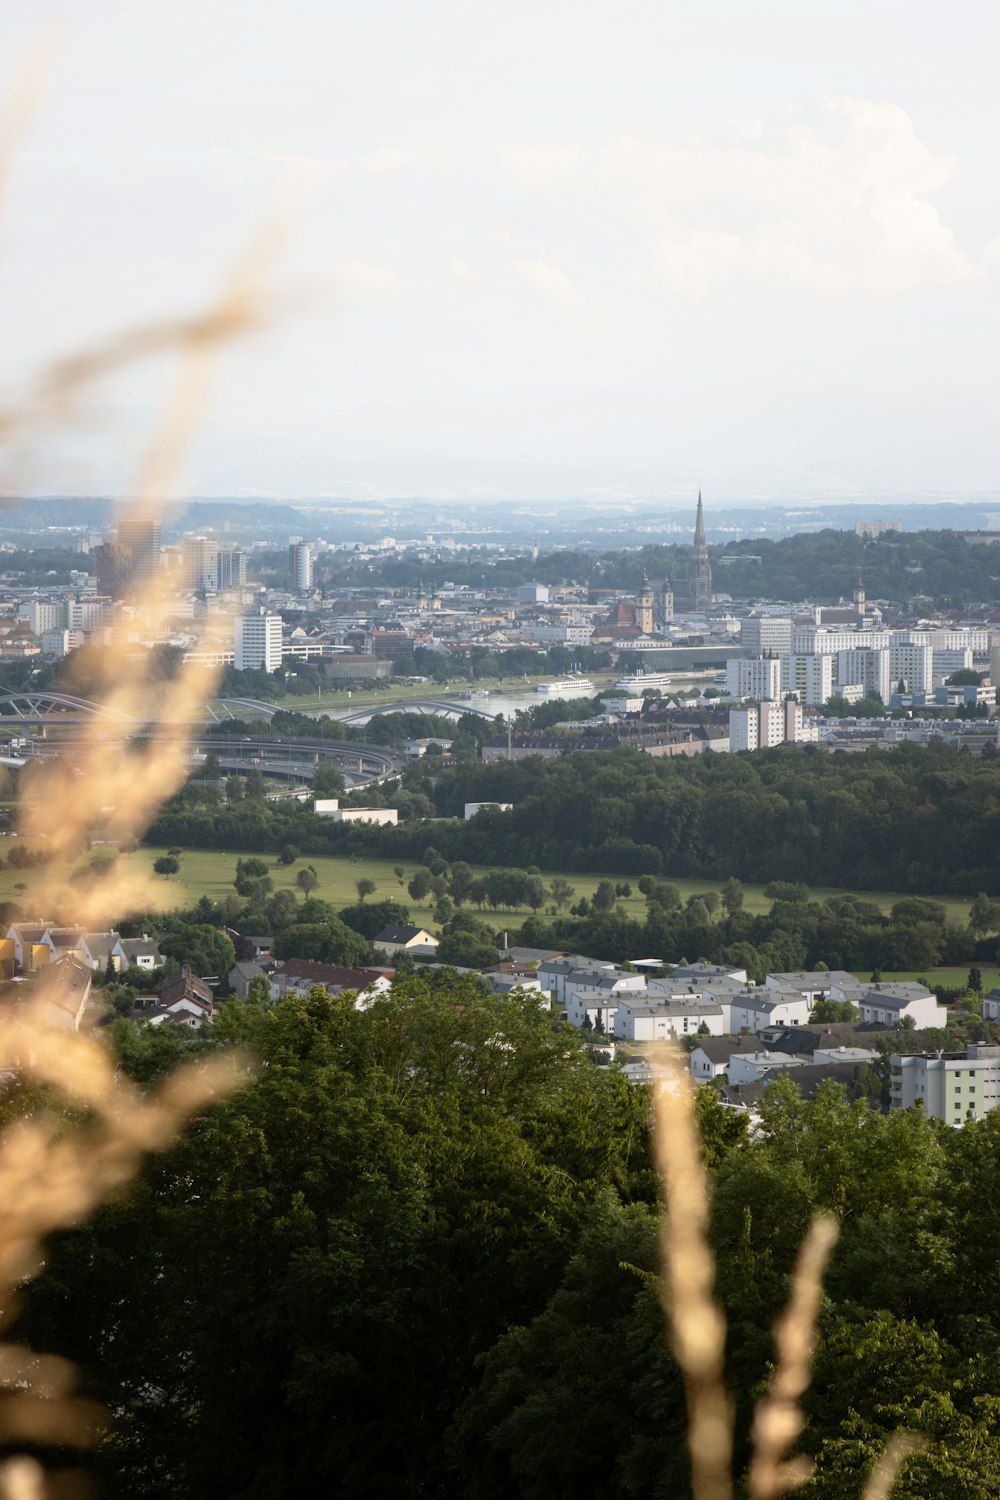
x: 211, y: 872
x: 950, y: 979
x: 337, y: 700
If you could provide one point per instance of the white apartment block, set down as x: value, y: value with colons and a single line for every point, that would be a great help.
x: 44, y: 614
x: 532, y: 593
x: 908, y: 663
x: 767, y: 634
x: 947, y: 661
x: 859, y: 667
x: 813, y: 640
x: 759, y: 726
x: 560, y: 635
x: 757, y: 677
x: 951, y: 1086
x: 945, y: 639
x: 257, y: 642
x: 61, y: 642
x: 810, y: 678
x: 90, y: 614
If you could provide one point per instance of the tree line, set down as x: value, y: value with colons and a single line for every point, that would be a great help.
x: 417, y: 1255
x: 918, y: 819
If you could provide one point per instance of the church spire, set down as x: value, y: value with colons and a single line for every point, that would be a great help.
x: 699, y: 528
x: 700, y: 589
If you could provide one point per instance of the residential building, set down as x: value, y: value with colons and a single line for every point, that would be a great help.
x: 951, y: 1086
x: 711, y: 1056
x: 257, y: 642
x: 553, y: 973
x: 405, y: 939
x: 645, y: 1020
x: 758, y: 1007
x: 756, y: 677
x: 767, y: 635
x: 297, y: 976
x: 896, y: 1002
x: 810, y: 678
x: 300, y: 560
x: 593, y: 995
x: 758, y: 726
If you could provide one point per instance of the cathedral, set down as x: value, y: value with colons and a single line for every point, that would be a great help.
x: 650, y: 612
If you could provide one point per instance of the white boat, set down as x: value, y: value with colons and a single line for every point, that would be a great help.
x: 581, y: 685
x: 639, y: 680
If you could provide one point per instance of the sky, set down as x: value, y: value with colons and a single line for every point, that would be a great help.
x: 544, y: 247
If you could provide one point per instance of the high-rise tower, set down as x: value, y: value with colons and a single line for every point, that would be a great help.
x: 700, y: 584
x: 300, y: 562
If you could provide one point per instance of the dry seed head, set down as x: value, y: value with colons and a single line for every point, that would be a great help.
x: 697, y: 1325
x: 900, y: 1447
x: 778, y: 1419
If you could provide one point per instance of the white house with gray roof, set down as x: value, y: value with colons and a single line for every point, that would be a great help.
x: 892, y: 1003
x: 641, y: 1020
x: 596, y: 993
x: 759, y: 1006
x: 553, y: 972
x: 815, y: 984
x: 711, y: 1056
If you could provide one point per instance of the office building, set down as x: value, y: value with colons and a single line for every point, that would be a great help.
x: 199, y: 564
x: 141, y: 535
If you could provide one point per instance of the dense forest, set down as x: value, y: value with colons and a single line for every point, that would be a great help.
x: 920, y: 819
x: 416, y: 1256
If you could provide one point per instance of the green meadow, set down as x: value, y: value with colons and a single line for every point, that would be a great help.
x: 211, y: 872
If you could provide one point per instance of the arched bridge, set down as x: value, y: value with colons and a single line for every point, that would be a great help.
x: 446, y: 707
x: 40, y: 705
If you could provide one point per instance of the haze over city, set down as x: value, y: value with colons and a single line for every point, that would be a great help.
x: 545, y: 249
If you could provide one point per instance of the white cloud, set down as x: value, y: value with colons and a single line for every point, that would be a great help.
x: 389, y: 159
x: 549, y: 280
x: 840, y: 202
x: 543, y: 162
x: 463, y: 270
x: 359, y: 276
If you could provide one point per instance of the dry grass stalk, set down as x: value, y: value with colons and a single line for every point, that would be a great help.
x: 28, y: 89
x: 123, y: 782
x: 22, y: 1479
x: 900, y: 1447
x: 697, y: 1323
x: 54, y: 1170
x: 53, y: 1174
x: 698, y: 1326
x: 778, y: 1419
